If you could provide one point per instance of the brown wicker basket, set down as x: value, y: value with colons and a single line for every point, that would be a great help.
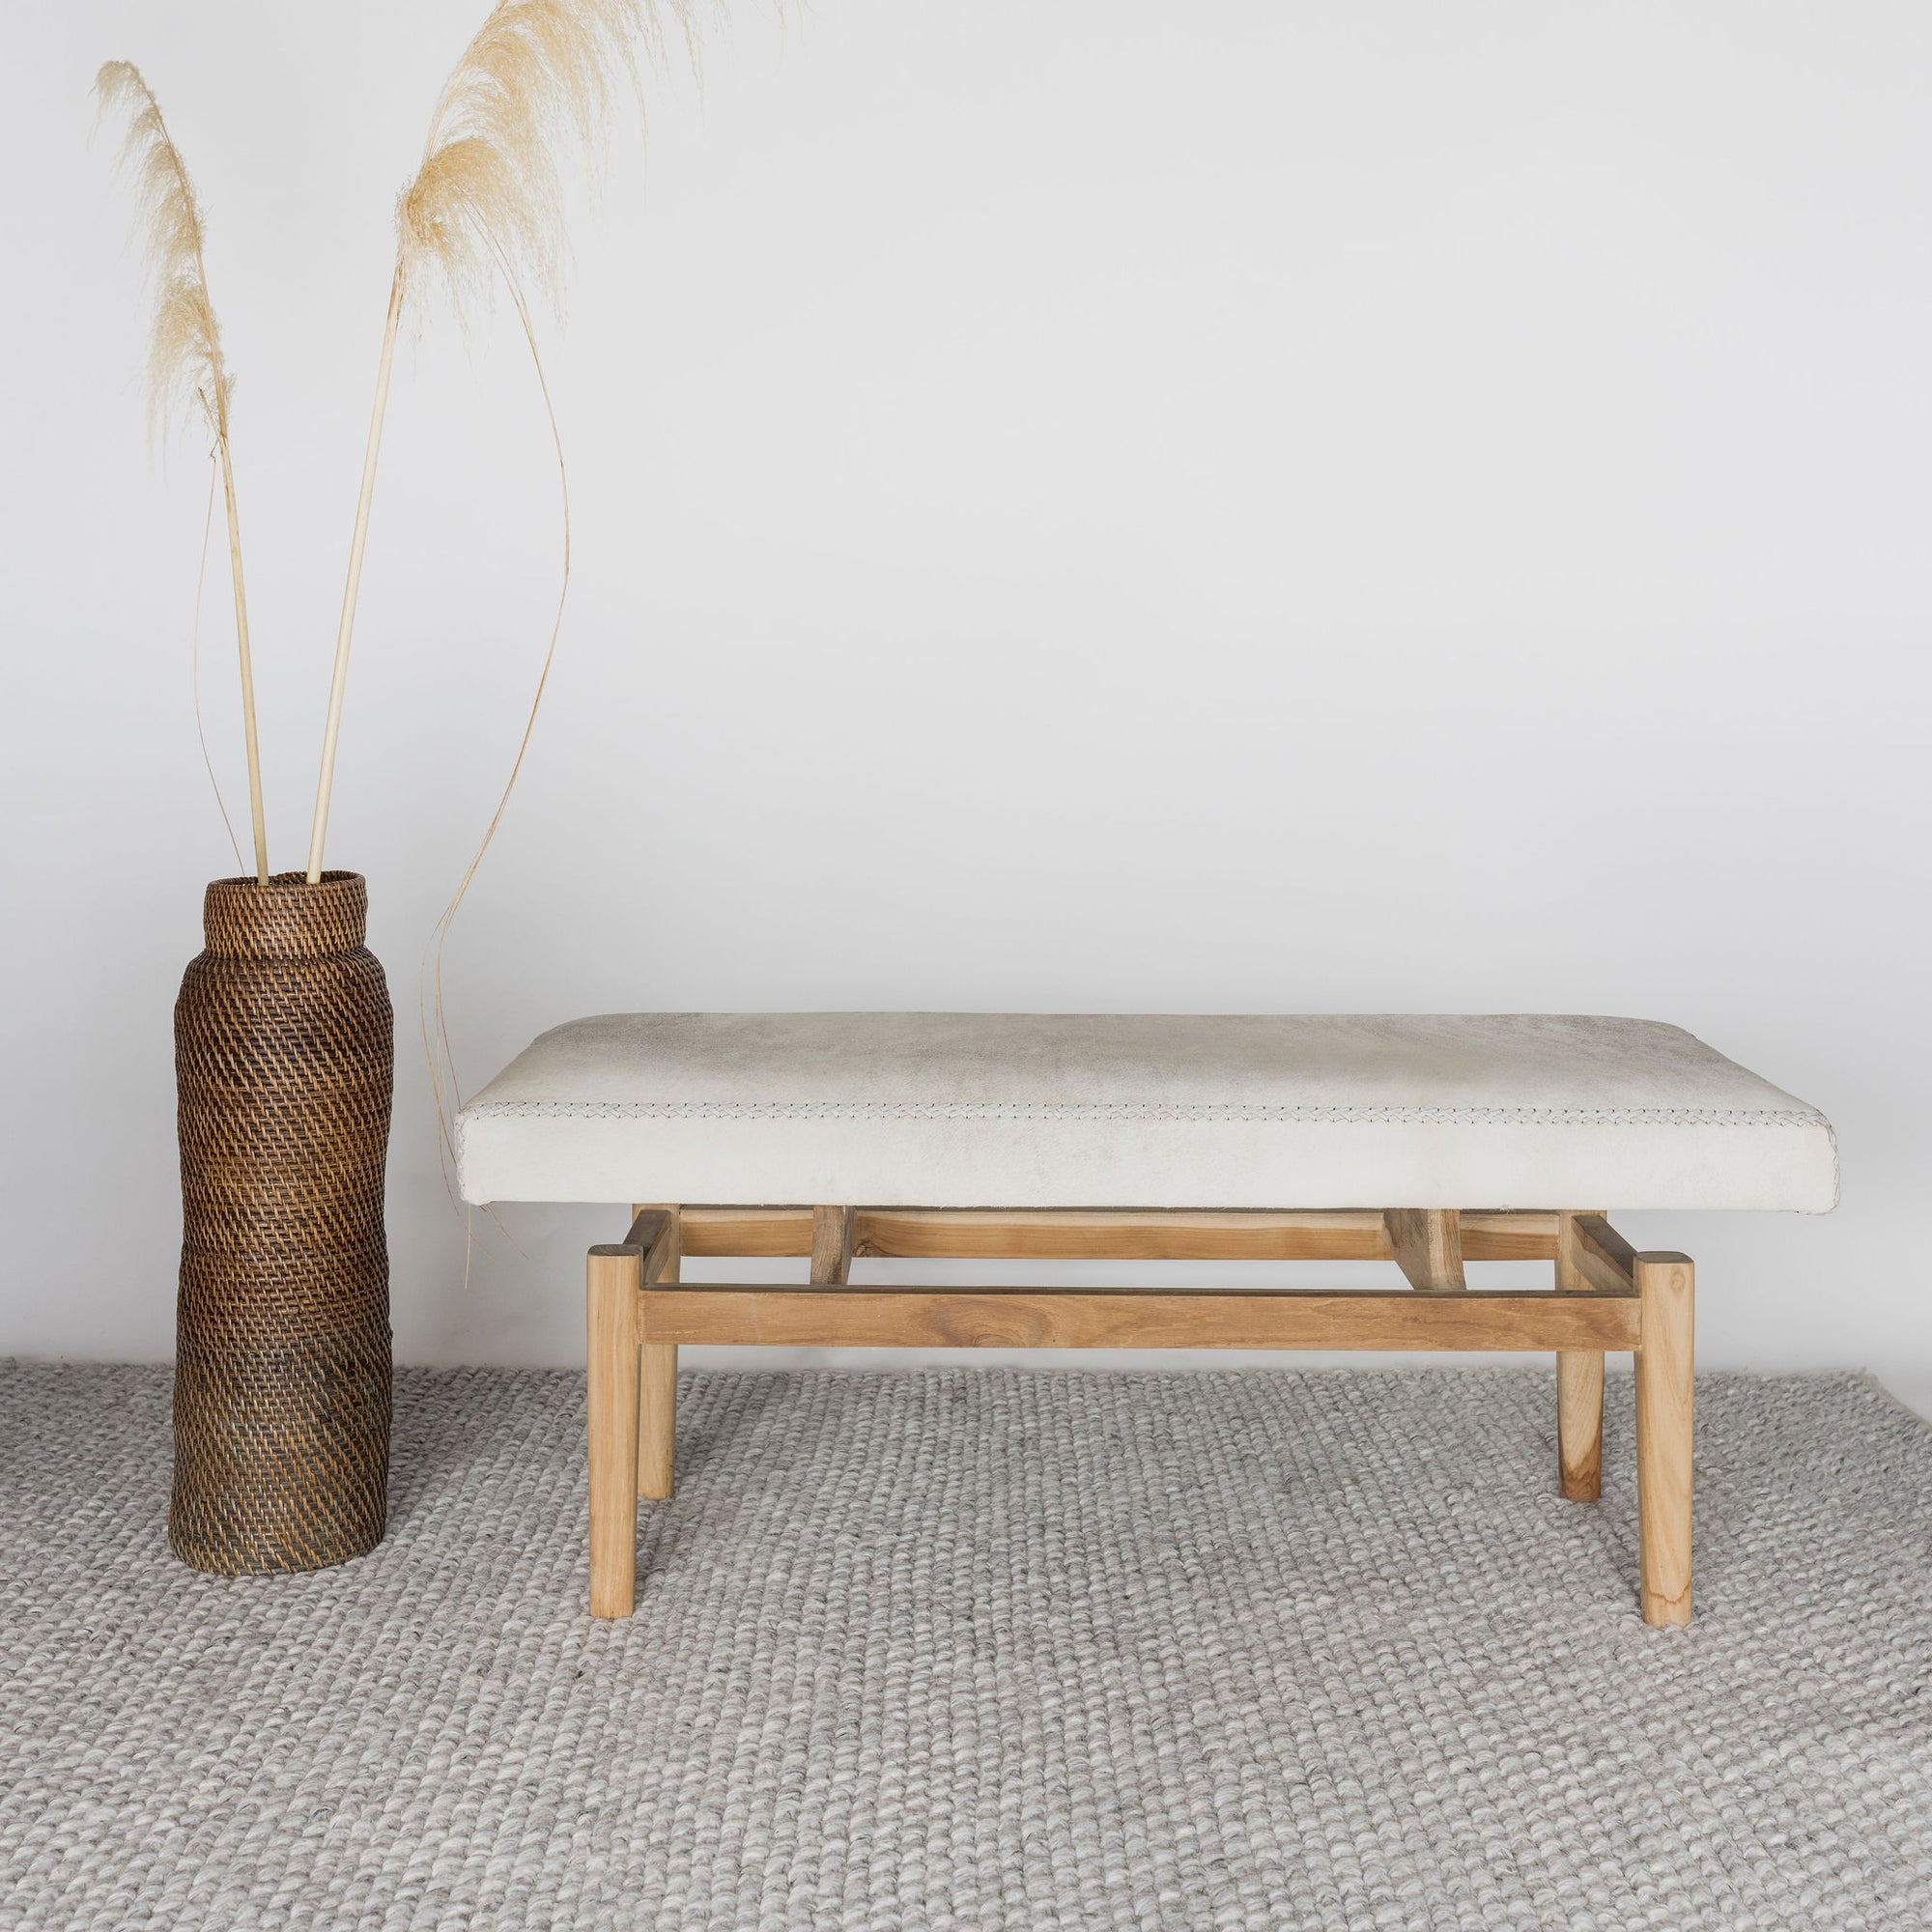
x: 284, y: 1059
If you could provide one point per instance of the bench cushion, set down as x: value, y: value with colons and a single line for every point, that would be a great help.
x: 1140, y: 1110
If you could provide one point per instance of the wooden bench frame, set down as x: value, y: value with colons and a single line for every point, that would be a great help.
x: 1604, y: 1297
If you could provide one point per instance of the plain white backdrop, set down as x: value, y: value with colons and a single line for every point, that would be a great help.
x: 1079, y: 504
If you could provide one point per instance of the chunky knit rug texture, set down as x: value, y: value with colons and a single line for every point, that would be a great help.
x: 977, y: 1649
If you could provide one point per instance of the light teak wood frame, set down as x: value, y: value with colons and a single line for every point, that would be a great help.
x: 1605, y: 1297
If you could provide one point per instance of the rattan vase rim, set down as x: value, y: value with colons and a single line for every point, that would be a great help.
x: 288, y: 917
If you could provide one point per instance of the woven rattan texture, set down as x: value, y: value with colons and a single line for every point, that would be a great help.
x: 979, y: 1651
x: 283, y: 1064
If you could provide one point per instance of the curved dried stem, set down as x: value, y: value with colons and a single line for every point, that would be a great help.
x: 432, y: 1006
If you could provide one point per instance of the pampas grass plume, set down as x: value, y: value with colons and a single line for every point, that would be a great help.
x: 539, y: 80
x: 187, y: 374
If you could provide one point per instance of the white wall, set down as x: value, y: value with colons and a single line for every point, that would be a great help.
x: 1079, y: 504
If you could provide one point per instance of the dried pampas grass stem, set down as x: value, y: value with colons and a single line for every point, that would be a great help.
x: 188, y: 374
x: 538, y: 82
x: 194, y: 662
x: 338, y: 680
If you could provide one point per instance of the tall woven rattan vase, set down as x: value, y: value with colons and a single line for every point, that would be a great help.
x: 284, y: 1064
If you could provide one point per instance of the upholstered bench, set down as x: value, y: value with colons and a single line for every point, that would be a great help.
x: 1422, y: 1140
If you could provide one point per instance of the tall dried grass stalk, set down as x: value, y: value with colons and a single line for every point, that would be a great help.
x: 536, y: 84
x: 188, y: 374
x: 194, y: 660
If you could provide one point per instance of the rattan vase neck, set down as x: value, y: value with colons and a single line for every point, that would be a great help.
x: 284, y: 1058
x: 286, y: 919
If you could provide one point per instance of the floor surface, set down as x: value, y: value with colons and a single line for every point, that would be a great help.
x: 976, y: 1649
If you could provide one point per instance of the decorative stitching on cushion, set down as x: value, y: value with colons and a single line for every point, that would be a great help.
x: 1151, y: 1110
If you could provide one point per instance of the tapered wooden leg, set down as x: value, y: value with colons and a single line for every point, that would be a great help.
x: 657, y: 1420
x: 1580, y: 1388
x: 1579, y: 1424
x: 614, y: 1276
x: 657, y: 1393
x: 1664, y: 1470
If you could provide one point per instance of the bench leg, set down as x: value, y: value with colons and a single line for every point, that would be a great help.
x: 657, y: 1398
x: 1579, y: 1424
x: 1580, y: 1388
x: 1664, y: 1470
x: 614, y: 1276
x: 657, y: 1420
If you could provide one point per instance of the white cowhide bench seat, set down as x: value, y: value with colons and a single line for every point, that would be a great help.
x: 1423, y: 1140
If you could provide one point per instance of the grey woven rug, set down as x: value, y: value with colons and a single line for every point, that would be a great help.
x: 982, y: 1649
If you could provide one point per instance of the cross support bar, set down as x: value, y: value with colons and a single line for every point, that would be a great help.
x: 1039, y: 1318
x: 1123, y: 1233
